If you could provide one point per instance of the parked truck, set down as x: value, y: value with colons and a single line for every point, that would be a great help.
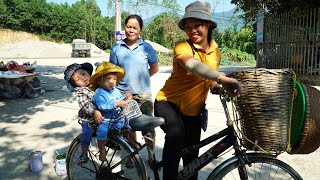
x: 80, y: 48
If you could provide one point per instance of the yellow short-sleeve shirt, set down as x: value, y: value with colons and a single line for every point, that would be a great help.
x: 187, y: 91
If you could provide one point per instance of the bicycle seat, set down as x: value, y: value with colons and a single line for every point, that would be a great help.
x: 144, y: 122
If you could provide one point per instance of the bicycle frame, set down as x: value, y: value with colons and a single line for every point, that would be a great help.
x: 212, y: 153
x: 230, y: 139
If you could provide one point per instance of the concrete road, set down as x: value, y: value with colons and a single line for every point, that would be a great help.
x: 49, y: 123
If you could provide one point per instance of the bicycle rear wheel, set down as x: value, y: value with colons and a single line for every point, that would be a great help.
x: 262, y: 167
x: 116, y: 150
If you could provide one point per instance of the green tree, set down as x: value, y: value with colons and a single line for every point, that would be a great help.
x: 13, y: 16
x: 245, y: 40
x: 272, y: 7
x: 105, y: 37
x: 86, y: 12
x: 217, y: 36
x: 38, y: 9
x: 3, y: 11
x: 60, y: 20
x: 164, y: 30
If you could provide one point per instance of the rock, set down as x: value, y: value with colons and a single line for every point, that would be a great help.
x: 159, y: 48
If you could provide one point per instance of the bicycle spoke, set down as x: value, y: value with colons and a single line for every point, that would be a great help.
x: 261, y: 168
x: 117, y: 153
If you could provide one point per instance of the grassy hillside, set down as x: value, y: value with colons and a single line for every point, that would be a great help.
x: 9, y: 36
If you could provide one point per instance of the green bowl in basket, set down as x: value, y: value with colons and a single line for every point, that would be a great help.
x: 298, y: 114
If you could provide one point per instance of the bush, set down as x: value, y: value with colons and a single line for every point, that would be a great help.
x: 238, y: 57
x: 230, y: 57
x: 165, y: 59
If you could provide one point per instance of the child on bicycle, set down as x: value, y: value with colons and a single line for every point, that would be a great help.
x: 109, y: 100
x: 77, y: 78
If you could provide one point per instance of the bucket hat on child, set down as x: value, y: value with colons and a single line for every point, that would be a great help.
x: 73, y: 68
x: 199, y: 10
x: 105, y: 68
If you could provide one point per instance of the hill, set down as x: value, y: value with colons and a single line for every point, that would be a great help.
x: 18, y: 44
x: 223, y: 19
x: 8, y: 36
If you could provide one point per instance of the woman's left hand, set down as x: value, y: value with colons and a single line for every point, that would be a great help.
x: 231, y: 85
x: 215, y: 87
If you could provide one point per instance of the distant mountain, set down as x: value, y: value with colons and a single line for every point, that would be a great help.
x: 223, y: 19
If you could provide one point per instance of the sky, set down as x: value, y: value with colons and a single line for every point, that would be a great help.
x: 217, y: 6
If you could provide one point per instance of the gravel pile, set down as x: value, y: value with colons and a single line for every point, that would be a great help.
x: 41, y: 49
x: 159, y: 48
x: 46, y: 49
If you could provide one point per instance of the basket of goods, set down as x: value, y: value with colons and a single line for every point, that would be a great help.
x: 308, y: 133
x: 264, y: 106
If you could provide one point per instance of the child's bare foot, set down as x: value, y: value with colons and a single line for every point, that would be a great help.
x: 102, y: 155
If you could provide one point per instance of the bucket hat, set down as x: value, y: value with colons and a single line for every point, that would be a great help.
x: 105, y: 68
x: 73, y: 68
x: 198, y: 10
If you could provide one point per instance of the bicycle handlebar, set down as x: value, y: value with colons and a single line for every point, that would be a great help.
x: 217, y: 90
x: 232, y: 88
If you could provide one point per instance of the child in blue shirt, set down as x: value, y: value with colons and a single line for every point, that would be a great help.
x: 109, y: 100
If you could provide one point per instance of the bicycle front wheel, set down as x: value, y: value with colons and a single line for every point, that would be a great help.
x: 261, y: 167
x: 116, y: 150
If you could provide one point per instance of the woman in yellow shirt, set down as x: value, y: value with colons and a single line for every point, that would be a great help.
x: 182, y: 98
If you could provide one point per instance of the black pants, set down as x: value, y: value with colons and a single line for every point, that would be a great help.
x: 181, y: 131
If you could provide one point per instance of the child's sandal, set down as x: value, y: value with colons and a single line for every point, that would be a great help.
x: 83, y: 159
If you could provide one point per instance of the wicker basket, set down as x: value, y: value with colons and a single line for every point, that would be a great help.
x: 310, y: 137
x: 264, y: 107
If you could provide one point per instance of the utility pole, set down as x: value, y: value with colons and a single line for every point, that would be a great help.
x: 223, y: 33
x: 137, y: 7
x: 118, y: 15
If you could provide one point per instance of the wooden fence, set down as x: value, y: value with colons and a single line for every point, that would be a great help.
x: 291, y: 40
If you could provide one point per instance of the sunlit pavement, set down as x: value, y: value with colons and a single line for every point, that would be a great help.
x: 49, y: 124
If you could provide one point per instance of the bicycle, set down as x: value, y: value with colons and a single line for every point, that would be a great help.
x: 243, y: 164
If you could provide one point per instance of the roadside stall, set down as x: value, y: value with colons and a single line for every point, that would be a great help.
x: 19, y: 80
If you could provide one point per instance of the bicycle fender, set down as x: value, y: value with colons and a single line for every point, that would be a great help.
x: 75, y: 140
x: 232, y: 160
